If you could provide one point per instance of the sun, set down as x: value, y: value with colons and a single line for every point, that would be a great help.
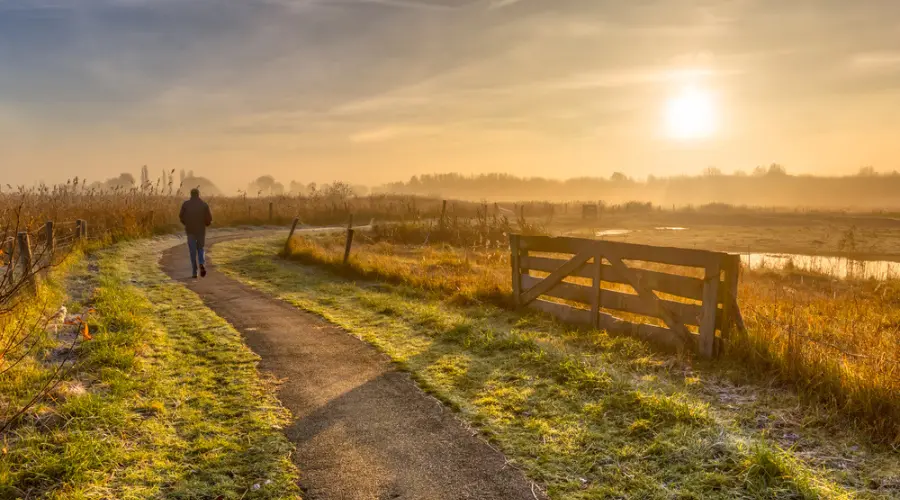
x: 691, y: 114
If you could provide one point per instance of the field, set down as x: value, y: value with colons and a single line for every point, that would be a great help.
x: 834, y: 339
x: 587, y: 414
x: 869, y: 236
x: 804, y: 405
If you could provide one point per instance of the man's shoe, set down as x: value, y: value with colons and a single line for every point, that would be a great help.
x: 194, y: 276
x: 202, y: 271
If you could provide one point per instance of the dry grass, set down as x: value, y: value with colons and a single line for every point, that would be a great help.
x: 153, y: 209
x: 835, y: 341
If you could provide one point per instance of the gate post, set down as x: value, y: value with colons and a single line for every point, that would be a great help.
x: 516, y: 269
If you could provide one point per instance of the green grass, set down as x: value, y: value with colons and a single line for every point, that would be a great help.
x: 833, y: 340
x: 585, y: 414
x: 166, y: 400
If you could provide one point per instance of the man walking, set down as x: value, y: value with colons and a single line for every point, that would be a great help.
x: 195, y: 216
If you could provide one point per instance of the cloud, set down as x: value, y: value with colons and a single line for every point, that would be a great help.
x: 877, y: 60
x: 391, y: 132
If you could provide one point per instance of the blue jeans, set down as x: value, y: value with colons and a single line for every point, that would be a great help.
x: 196, y: 248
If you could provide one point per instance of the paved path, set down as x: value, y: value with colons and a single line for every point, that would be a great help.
x: 362, y: 429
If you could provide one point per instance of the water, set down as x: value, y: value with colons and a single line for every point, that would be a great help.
x: 613, y: 232
x: 838, y: 267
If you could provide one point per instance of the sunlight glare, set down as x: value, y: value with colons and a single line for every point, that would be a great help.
x: 691, y: 114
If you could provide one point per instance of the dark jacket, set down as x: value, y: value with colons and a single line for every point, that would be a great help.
x: 195, y: 216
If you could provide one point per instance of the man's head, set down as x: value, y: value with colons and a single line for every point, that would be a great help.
x: 195, y: 193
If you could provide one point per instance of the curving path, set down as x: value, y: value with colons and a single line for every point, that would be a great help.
x: 362, y: 429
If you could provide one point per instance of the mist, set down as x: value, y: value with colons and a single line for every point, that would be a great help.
x: 370, y: 92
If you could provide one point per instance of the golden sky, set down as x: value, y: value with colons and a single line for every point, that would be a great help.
x: 377, y: 90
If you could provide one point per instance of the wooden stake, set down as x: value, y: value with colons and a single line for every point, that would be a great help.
x: 51, y: 241
x: 349, y: 244
x: 710, y: 307
x: 287, y: 244
x: 597, y: 289
x: 515, y: 261
x: 26, y: 259
x: 732, y: 275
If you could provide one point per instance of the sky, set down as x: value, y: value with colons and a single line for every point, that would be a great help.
x: 371, y: 91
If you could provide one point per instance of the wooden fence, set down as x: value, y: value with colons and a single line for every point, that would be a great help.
x: 708, y: 303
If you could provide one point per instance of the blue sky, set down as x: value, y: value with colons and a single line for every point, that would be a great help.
x: 376, y: 90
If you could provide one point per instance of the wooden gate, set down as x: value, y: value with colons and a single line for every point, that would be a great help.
x: 708, y: 303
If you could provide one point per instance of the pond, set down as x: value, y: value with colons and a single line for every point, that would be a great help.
x: 839, y: 267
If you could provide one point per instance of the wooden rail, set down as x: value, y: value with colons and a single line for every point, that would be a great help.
x: 708, y: 303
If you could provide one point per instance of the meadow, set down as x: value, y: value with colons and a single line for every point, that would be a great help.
x: 833, y: 340
x: 830, y: 342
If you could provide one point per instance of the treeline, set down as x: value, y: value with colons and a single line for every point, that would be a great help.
x: 765, y: 186
x: 166, y: 183
x: 266, y: 185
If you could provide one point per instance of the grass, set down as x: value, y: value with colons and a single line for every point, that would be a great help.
x: 833, y: 340
x: 164, y: 401
x: 583, y: 413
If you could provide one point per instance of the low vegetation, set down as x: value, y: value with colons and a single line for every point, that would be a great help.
x: 586, y: 414
x: 833, y: 340
x: 157, y: 397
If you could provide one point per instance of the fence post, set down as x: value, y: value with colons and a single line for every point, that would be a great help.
x: 347, y: 247
x: 83, y: 229
x: 271, y: 211
x: 597, y: 288
x: 78, y: 233
x: 710, y: 308
x: 51, y: 241
x: 515, y: 261
x: 25, y: 257
x: 287, y: 244
x: 729, y: 300
x: 443, y: 213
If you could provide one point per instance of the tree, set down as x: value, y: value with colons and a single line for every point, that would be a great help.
x: 297, y: 188
x: 338, y: 191
x: 618, y: 177
x: 867, y: 171
x: 776, y: 170
x: 712, y: 172
x: 264, y: 185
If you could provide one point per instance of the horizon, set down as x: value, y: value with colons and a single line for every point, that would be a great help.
x: 376, y: 91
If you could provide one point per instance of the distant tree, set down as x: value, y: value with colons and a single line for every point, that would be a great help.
x: 740, y: 173
x: 297, y: 188
x: 712, y: 172
x: 618, y: 177
x: 181, y: 177
x: 338, y: 191
x: 776, y: 170
x: 760, y: 171
x: 263, y: 185
x: 145, y: 177
x: 867, y: 171
x: 206, y: 187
